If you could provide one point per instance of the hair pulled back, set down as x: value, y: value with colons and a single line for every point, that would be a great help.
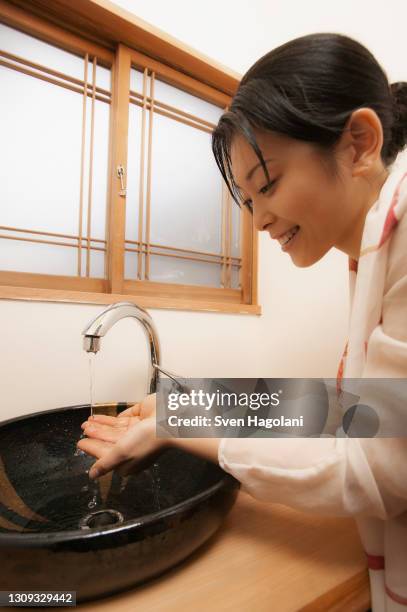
x: 307, y: 89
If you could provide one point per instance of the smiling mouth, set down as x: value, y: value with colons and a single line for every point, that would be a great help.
x: 285, y: 238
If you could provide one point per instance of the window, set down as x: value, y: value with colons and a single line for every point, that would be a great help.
x: 55, y: 120
x: 108, y: 186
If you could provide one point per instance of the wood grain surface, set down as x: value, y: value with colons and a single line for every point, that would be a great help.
x: 266, y: 558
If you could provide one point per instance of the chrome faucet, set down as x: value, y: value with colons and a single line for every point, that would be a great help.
x: 99, y: 326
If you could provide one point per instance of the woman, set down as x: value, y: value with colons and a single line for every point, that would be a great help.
x: 308, y: 146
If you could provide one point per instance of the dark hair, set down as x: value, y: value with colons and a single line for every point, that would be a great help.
x: 307, y: 89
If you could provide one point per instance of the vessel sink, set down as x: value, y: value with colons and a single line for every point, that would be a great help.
x: 60, y: 531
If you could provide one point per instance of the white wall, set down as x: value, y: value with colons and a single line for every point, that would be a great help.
x: 304, y: 321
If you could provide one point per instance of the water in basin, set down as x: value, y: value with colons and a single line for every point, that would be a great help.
x: 54, y: 488
x: 141, y: 525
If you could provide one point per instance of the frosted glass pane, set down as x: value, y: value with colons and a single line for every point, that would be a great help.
x: 186, y: 102
x: 136, y: 81
x: 171, y: 270
x: 186, y: 188
x: 235, y: 277
x: 186, y: 193
x: 40, y: 167
x: 19, y: 256
x: 97, y: 263
x: 49, y: 56
x: 103, y: 76
x: 133, y: 171
x: 130, y: 266
x: 100, y: 167
x: 37, y: 51
x: 31, y: 235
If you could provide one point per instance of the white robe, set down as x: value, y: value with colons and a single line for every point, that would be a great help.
x: 361, y: 477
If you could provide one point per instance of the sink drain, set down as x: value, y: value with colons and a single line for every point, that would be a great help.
x: 101, y: 518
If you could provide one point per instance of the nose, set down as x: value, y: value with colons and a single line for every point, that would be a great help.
x: 262, y: 218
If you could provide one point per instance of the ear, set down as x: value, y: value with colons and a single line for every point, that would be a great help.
x: 363, y: 140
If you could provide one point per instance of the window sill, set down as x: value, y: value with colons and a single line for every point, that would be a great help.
x: 145, y: 301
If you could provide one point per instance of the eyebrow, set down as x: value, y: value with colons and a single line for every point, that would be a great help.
x: 253, y: 170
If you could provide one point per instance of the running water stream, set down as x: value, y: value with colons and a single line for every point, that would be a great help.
x: 93, y: 486
x: 78, y: 452
x: 92, y: 357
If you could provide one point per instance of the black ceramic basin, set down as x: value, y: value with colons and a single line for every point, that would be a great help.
x: 60, y: 531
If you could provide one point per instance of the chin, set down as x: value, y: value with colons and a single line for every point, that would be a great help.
x: 302, y: 263
x: 305, y: 260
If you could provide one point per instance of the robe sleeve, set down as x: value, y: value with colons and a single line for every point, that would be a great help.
x: 342, y: 476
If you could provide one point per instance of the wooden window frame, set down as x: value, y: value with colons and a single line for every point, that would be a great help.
x: 196, y: 75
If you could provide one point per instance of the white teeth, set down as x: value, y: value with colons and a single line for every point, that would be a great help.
x: 288, y: 235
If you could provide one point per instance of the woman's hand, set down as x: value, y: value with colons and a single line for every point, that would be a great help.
x: 127, y: 441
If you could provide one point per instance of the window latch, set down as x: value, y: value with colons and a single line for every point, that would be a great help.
x: 120, y: 174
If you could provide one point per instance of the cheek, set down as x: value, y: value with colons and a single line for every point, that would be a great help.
x: 319, y: 211
x: 311, y: 200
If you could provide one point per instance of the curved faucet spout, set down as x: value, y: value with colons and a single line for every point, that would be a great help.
x: 101, y: 324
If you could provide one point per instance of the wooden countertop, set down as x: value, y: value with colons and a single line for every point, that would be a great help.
x: 267, y: 557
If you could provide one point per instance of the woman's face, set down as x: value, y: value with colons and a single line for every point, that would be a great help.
x: 304, y: 198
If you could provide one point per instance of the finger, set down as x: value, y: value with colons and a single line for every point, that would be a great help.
x: 106, y: 420
x: 96, y: 448
x: 137, y: 443
x: 131, y: 411
x: 104, y: 432
x: 107, y: 462
x: 119, y: 423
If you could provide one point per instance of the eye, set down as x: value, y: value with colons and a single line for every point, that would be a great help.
x: 265, y: 189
